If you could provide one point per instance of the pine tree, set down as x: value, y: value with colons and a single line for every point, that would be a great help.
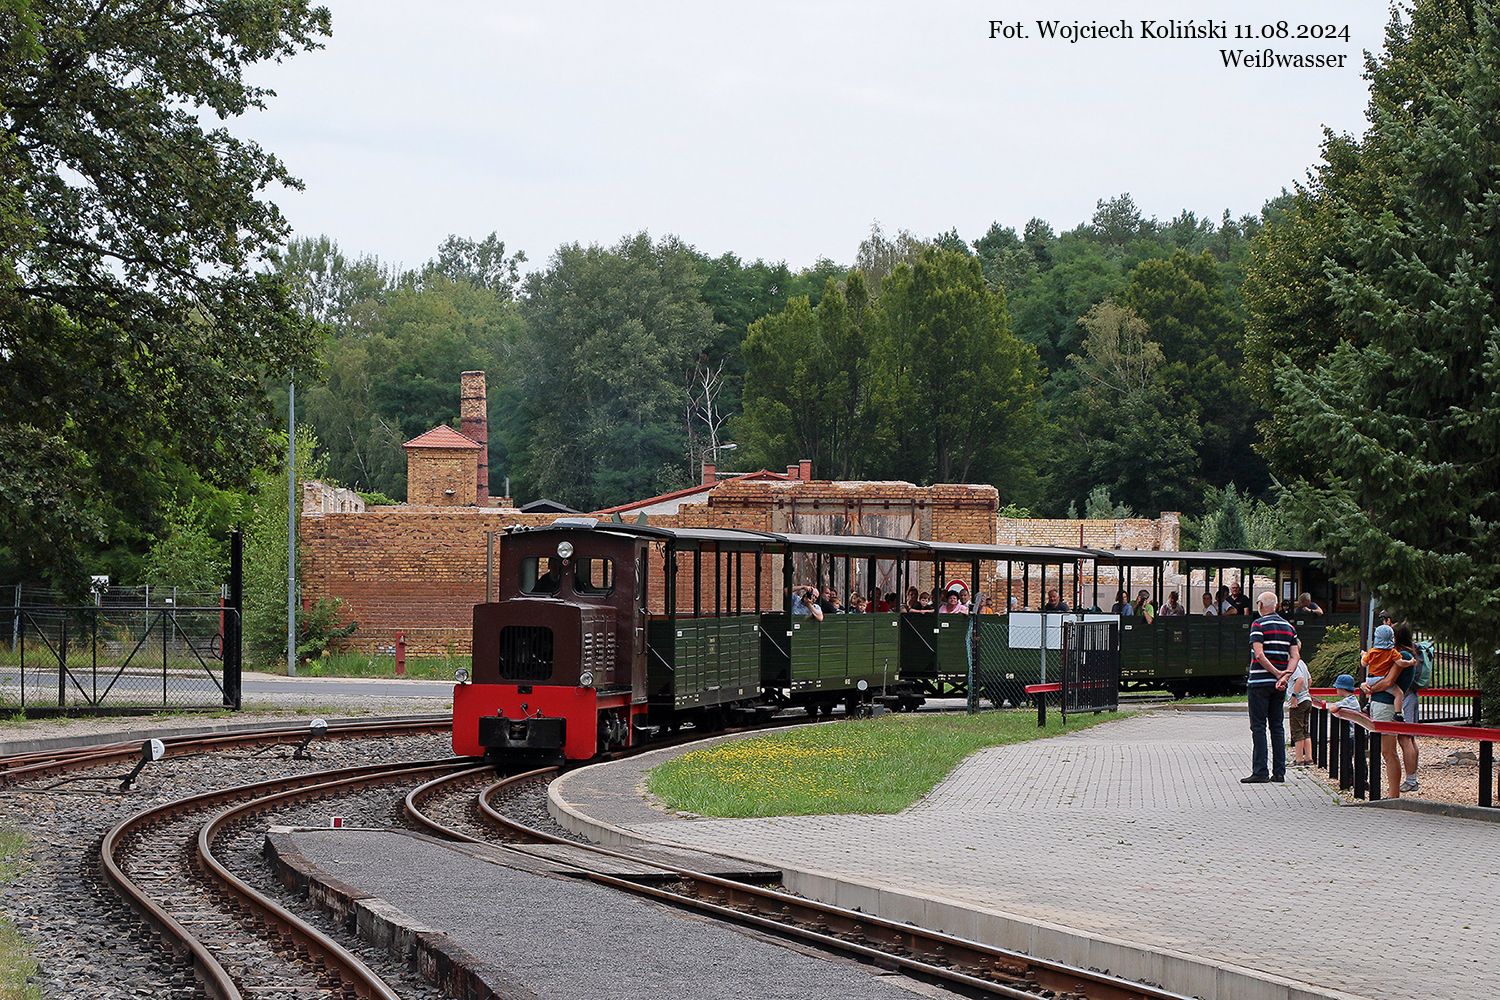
x: 1377, y: 303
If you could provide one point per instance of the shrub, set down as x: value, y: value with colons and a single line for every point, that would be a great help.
x: 1338, y: 653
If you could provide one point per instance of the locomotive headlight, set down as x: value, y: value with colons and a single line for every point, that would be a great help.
x: 565, y: 550
x: 585, y: 679
x: 461, y: 675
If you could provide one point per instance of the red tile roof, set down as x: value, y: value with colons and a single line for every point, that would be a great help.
x: 442, y: 436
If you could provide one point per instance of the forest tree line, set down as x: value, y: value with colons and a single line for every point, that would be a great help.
x: 1046, y: 364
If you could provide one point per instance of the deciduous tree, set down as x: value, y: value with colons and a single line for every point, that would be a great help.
x: 136, y: 328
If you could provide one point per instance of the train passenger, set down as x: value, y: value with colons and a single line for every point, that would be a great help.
x: 1172, y: 607
x: 1223, y: 603
x: 1238, y: 599
x: 924, y: 602
x: 1306, y: 606
x: 805, y: 602
x: 877, y: 604
x: 1122, y: 605
x: 1055, y: 603
x: 831, y: 603
x: 951, y: 603
x: 1144, y: 608
x: 1209, y: 607
x: 985, y: 607
x: 859, y: 605
x: 913, y: 600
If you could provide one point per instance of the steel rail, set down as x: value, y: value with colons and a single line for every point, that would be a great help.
x: 350, y: 969
x: 210, y: 974
x: 37, y: 763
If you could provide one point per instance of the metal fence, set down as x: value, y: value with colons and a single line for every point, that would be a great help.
x: 96, y: 656
x: 1015, y: 650
x: 1091, y: 667
x: 1452, y: 669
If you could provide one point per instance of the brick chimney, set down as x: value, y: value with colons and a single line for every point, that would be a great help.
x: 793, y: 472
x: 710, y: 474
x: 473, y: 412
x: 804, y: 470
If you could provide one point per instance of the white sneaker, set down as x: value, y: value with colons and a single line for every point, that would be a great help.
x: 1410, y: 785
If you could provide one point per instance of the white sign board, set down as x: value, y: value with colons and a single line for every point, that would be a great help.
x: 1026, y: 627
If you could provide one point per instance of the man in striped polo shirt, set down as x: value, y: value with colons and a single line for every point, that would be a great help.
x: 1274, y: 654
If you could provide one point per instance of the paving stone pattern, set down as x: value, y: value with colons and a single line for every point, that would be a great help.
x: 1140, y: 830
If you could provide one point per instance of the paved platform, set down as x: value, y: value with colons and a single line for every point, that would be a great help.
x: 489, y: 922
x: 1133, y: 847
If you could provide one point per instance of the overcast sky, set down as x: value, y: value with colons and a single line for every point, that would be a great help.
x: 782, y: 130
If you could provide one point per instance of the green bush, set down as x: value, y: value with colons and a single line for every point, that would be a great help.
x: 320, y: 628
x: 1338, y: 653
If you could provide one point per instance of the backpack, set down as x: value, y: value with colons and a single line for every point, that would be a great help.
x: 1426, y: 656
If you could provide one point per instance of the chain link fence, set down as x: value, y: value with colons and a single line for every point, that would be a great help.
x: 60, y: 656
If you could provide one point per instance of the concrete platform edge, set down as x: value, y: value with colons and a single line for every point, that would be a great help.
x: 1181, y: 973
x: 428, y: 950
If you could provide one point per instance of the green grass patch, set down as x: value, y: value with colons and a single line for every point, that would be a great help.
x: 1220, y: 699
x: 860, y: 766
x: 16, y: 965
x: 438, y: 668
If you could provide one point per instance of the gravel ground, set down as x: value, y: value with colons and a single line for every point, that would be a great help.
x: 292, y: 708
x: 85, y: 945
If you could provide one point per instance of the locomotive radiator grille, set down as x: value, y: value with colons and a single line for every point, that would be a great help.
x: 526, y: 653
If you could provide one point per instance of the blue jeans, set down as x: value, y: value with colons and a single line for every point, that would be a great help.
x: 1265, y: 707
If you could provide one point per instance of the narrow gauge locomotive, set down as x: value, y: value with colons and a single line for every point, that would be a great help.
x: 602, y: 632
x: 570, y: 658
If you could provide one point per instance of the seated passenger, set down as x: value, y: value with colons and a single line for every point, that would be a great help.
x: 913, y: 600
x: 859, y: 605
x: 1306, y: 606
x: 805, y: 602
x: 1172, y: 607
x: 1122, y: 605
x: 1144, y: 608
x: 925, y: 602
x: 1223, y: 603
x: 951, y: 603
x: 1055, y: 603
x: 1209, y: 607
x: 876, y: 603
x: 831, y: 603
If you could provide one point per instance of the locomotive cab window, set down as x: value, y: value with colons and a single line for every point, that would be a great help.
x: 594, y: 576
x: 541, y: 574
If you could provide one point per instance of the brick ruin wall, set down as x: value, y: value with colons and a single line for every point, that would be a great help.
x: 442, y: 477
x: 420, y: 570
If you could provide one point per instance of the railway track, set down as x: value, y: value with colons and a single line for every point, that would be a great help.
x: 472, y: 807
x: 239, y: 942
x: 17, y: 768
